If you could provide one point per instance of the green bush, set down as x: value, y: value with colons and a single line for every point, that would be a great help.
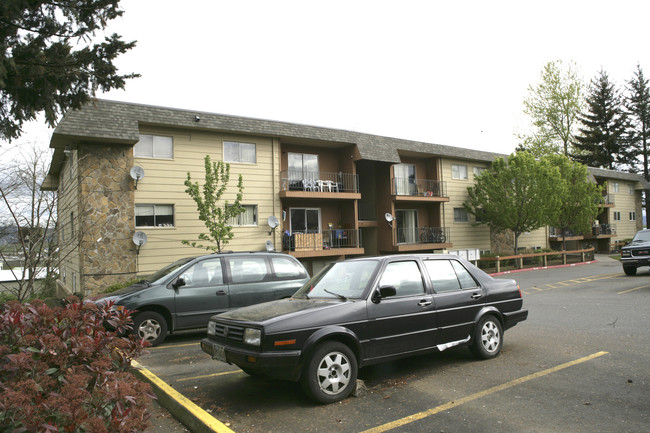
x: 118, y: 286
x: 62, y: 370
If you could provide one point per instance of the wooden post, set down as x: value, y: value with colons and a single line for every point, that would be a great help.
x: 498, y: 265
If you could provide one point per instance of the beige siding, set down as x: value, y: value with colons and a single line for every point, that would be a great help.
x: 624, y: 202
x: 164, y: 184
x: 463, y: 235
x: 68, y: 204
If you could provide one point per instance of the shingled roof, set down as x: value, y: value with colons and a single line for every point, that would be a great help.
x: 119, y: 122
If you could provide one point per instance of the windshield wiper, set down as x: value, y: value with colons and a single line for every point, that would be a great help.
x: 336, y: 294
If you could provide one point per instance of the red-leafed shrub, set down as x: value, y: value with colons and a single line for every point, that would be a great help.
x: 62, y: 370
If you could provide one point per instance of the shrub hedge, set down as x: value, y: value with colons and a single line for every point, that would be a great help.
x: 63, y: 370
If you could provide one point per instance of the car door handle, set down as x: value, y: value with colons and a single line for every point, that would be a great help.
x: 476, y: 295
x: 221, y: 293
x: 424, y: 303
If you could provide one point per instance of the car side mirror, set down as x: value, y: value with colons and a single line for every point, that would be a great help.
x: 383, y: 292
x: 178, y: 283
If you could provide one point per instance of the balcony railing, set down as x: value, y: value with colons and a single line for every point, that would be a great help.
x: 315, y: 181
x: 600, y: 229
x: 607, y: 199
x: 418, y: 187
x: 325, y: 240
x: 422, y: 235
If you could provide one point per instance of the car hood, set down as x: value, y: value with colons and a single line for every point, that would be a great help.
x: 633, y: 245
x: 121, y: 292
x: 274, y: 310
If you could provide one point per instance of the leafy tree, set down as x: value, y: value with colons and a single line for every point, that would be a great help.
x: 215, y: 217
x: 516, y: 194
x: 553, y: 106
x: 48, y: 61
x: 637, y: 103
x: 578, y: 197
x: 602, y: 141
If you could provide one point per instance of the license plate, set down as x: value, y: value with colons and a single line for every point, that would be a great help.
x: 218, y: 352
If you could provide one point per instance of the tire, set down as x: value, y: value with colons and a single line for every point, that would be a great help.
x: 629, y: 270
x: 488, y: 338
x: 150, y: 326
x: 330, y: 374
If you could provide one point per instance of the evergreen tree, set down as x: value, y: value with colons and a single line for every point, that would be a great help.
x: 637, y: 104
x: 49, y: 60
x: 601, y: 142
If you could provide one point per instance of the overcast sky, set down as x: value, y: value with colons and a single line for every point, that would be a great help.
x: 446, y: 72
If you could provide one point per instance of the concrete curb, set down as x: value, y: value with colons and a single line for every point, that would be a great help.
x: 183, y: 409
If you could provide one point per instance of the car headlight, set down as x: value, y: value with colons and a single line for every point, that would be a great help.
x: 212, y: 328
x: 253, y: 336
x: 626, y: 253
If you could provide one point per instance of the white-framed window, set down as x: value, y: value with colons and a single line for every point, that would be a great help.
x: 459, y: 171
x: 630, y: 189
x: 460, y: 215
x: 632, y: 216
x: 617, y: 216
x: 246, y: 218
x: 241, y: 153
x: 478, y: 171
x: 71, y: 225
x: 154, y: 146
x: 615, y: 186
x: 154, y: 215
x: 74, y: 282
x: 304, y: 220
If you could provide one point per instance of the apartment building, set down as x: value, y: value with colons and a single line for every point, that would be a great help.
x: 333, y: 193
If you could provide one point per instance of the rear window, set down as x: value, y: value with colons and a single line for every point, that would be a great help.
x: 285, y: 268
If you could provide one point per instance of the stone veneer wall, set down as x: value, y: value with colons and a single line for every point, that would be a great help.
x: 107, y: 252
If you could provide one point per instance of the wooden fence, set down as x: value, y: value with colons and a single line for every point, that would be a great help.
x: 533, y: 260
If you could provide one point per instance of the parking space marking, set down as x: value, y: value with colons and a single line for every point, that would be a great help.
x: 173, y: 346
x: 189, y: 413
x: 452, y: 404
x: 535, y: 289
x: 209, y: 375
x: 632, y: 290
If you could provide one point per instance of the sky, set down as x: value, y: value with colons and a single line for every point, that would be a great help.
x: 445, y: 72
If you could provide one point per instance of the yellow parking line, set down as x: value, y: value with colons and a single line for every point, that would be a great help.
x: 188, y: 412
x: 568, y: 283
x: 476, y: 396
x: 209, y: 375
x: 173, y: 346
x: 632, y: 290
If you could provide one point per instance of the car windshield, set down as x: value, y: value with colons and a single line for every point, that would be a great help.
x: 164, y: 272
x: 643, y: 236
x: 343, y: 280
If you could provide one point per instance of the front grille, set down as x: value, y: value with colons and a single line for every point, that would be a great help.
x: 643, y: 252
x: 231, y: 332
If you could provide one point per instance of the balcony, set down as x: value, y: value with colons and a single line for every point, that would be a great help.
x: 602, y: 231
x: 421, y: 238
x: 407, y: 189
x: 597, y: 231
x: 302, y: 184
x: 336, y: 242
x: 607, y: 201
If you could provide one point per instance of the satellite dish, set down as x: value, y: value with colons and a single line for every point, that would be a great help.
x: 136, y: 174
x: 269, y: 246
x: 139, y: 239
x: 390, y: 218
x: 273, y: 223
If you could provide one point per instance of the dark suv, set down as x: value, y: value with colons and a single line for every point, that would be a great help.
x: 185, y: 294
x: 636, y: 253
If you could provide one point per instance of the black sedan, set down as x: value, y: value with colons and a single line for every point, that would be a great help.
x: 365, y: 311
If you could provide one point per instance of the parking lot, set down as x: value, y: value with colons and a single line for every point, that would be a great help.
x: 580, y: 363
